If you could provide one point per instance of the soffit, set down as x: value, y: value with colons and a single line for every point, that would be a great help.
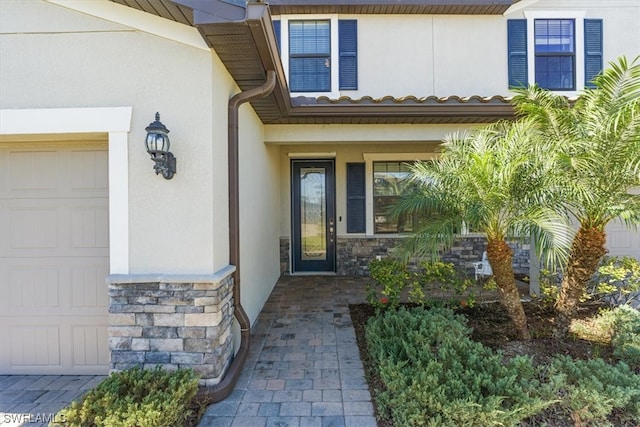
x: 247, y: 47
x: 163, y: 8
x: 431, y: 7
x: 183, y: 14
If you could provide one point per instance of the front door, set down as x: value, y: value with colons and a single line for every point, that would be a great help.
x: 313, y: 210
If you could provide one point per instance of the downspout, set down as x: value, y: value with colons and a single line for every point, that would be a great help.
x: 221, y: 390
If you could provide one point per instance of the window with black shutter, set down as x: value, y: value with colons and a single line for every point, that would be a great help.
x: 356, y: 198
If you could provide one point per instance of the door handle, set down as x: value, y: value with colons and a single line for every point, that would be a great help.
x: 331, y: 229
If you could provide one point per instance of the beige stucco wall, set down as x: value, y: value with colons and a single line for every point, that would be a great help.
x: 443, y: 55
x: 54, y: 57
x: 259, y: 213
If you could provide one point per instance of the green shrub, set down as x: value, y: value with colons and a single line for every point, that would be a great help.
x: 434, y: 374
x: 391, y: 278
x: 135, y: 397
x: 592, y: 390
x: 442, y: 275
x: 597, y: 329
x: 626, y: 335
x: 617, y: 281
x: 618, y: 327
x: 550, y: 282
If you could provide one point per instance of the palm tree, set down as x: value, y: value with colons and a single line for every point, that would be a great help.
x: 597, y: 149
x: 495, y: 182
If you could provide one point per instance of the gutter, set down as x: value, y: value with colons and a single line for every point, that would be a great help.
x: 225, y: 387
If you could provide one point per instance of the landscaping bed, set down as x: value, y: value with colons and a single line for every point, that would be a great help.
x: 493, y: 329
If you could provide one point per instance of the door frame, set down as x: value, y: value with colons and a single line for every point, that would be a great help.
x: 329, y: 264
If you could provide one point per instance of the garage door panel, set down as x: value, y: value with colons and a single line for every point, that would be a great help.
x: 30, y: 289
x: 88, y: 286
x: 89, y: 228
x: 33, y: 227
x: 90, y: 345
x: 54, y: 257
x: 74, y: 171
x: 62, y: 227
x: 34, y: 172
x: 34, y: 345
x: 61, y: 285
x: 72, y: 345
x: 91, y: 174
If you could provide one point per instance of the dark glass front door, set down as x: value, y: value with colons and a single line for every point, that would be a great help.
x: 313, y: 215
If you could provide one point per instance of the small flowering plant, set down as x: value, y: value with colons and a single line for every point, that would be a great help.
x: 391, y: 277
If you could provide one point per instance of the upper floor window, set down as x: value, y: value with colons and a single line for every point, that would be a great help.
x: 555, y: 53
x: 310, y: 56
x: 319, y: 56
x: 557, y: 50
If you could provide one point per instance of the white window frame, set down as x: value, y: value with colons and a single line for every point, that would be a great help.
x: 369, y: 159
x: 284, y: 51
x: 578, y: 17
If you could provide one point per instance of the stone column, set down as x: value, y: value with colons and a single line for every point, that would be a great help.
x: 172, y: 321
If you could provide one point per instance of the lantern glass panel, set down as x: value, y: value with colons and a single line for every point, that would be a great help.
x: 157, y: 141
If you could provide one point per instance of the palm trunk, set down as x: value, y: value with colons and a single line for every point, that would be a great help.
x: 500, y: 257
x: 586, y: 252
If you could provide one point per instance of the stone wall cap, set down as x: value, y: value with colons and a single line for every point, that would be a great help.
x: 172, y: 278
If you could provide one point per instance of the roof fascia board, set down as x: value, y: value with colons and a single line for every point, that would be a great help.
x: 388, y: 2
x: 261, y: 26
x: 520, y: 5
x: 136, y: 19
x: 461, y: 110
x: 470, y: 7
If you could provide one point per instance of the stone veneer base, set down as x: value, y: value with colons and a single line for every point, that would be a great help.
x: 353, y: 254
x: 172, y: 321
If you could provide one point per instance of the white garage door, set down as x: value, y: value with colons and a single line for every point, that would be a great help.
x: 622, y: 241
x: 54, y: 258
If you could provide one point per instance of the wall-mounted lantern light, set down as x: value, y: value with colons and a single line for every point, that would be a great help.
x: 158, y: 144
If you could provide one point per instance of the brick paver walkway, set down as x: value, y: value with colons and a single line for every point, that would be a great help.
x: 304, y: 369
x: 33, y: 400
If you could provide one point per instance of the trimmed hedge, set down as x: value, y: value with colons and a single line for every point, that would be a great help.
x: 133, y: 398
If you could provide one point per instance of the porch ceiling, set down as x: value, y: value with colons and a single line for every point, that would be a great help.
x: 247, y: 47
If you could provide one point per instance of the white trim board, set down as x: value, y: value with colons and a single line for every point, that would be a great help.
x: 137, y: 19
x: 116, y: 123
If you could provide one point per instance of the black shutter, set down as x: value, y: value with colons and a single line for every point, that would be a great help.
x: 592, y: 50
x: 517, y: 46
x: 276, y: 30
x: 348, y: 51
x: 356, y: 198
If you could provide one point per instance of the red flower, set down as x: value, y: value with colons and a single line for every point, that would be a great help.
x: 463, y: 303
x: 384, y: 300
